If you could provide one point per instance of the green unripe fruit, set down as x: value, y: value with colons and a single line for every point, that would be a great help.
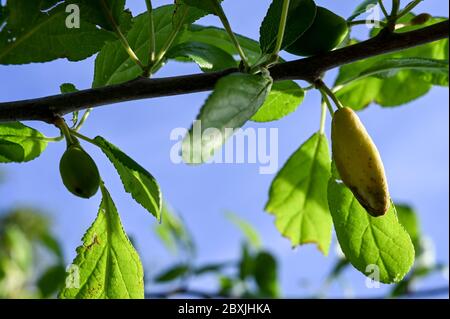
x: 79, y: 172
x: 358, y: 162
x: 326, y: 33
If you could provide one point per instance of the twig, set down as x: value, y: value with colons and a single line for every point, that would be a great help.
x: 308, y: 69
x: 184, y: 291
x: 423, y: 293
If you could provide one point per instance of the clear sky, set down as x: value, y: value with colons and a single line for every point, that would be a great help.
x: 413, y: 140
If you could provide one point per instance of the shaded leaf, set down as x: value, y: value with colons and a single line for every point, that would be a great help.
x: 235, y: 99
x: 174, y: 233
x: 246, y: 263
x: 209, y: 268
x: 283, y: 99
x: 172, y: 273
x: 362, y: 8
x: 246, y: 228
x: 51, y: 281
x: 108, y: 14
x: 209, y: 58
x: 31, y: 35
x: 219, y: 38
x: 113, y: 65
x: 186, y: 13
x: 300, y: 17
x: 265, y: 273
x: 206, y: 5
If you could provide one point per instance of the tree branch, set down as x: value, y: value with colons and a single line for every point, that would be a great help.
x: 308, y: 69
x: 424, y: 293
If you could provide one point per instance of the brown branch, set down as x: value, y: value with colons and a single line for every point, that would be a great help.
x: 184, y: 291
x: 308, y: 69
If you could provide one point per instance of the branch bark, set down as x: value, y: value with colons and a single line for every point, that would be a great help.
x: 183, y: 291
x: 308, y: 69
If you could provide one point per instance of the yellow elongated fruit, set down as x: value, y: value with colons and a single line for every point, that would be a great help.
x: 358, y: 162
x: 79, y: 172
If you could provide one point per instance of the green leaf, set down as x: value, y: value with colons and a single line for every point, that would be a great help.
x: 298, y: 195
x: 209, y: 6
x: 370, y: 241
x: 414, y: 72
x: 209, y: 268
x: 390, y: 67
x: 235, y: 99
x: 246, y: 228
x: 338, y: 268
x: 173, y: 232
x: 172, y: 273
x: 113, y: 65
x: 246, y: 263
x: 52, y: 245
x: 300, y: 17
x: 51, y: 281
x: 17, y: 247
x: 409, y: 220
x: 47, y: 4
x: 361, y: 8
x: 209, y: 58
x: 283, y: 99
x: 136, y: 180
x: 3, y: 14
x: 31, y: 35
x: 67, y: 88
x: 265, y: 273
x: 20, y: 143
x: 360, y: 94
x: 184, y: 13
x: 10, y: 152
x: 107, y: 265
x: 226, y: 285
x: 108, y: 14
x: 219, y: 38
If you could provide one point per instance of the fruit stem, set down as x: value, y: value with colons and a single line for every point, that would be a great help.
x: 122, y: 38
x: 323, y: 116
x: 326, y: 90
x: 383, y: 8
x: 151, y: 25
x: 327, y: 102
x: 395, y: 8
x: 226, y: 24
x: 54, y: 139
x: 83, y: 137
x: 83, y: 119
x: 129, y: 50
x: 282, y: 27
x: 65, y: 130
x: 162, y: 52
x: 408, y: 8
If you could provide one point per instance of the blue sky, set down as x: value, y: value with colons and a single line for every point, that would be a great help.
x: 413, y: 140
